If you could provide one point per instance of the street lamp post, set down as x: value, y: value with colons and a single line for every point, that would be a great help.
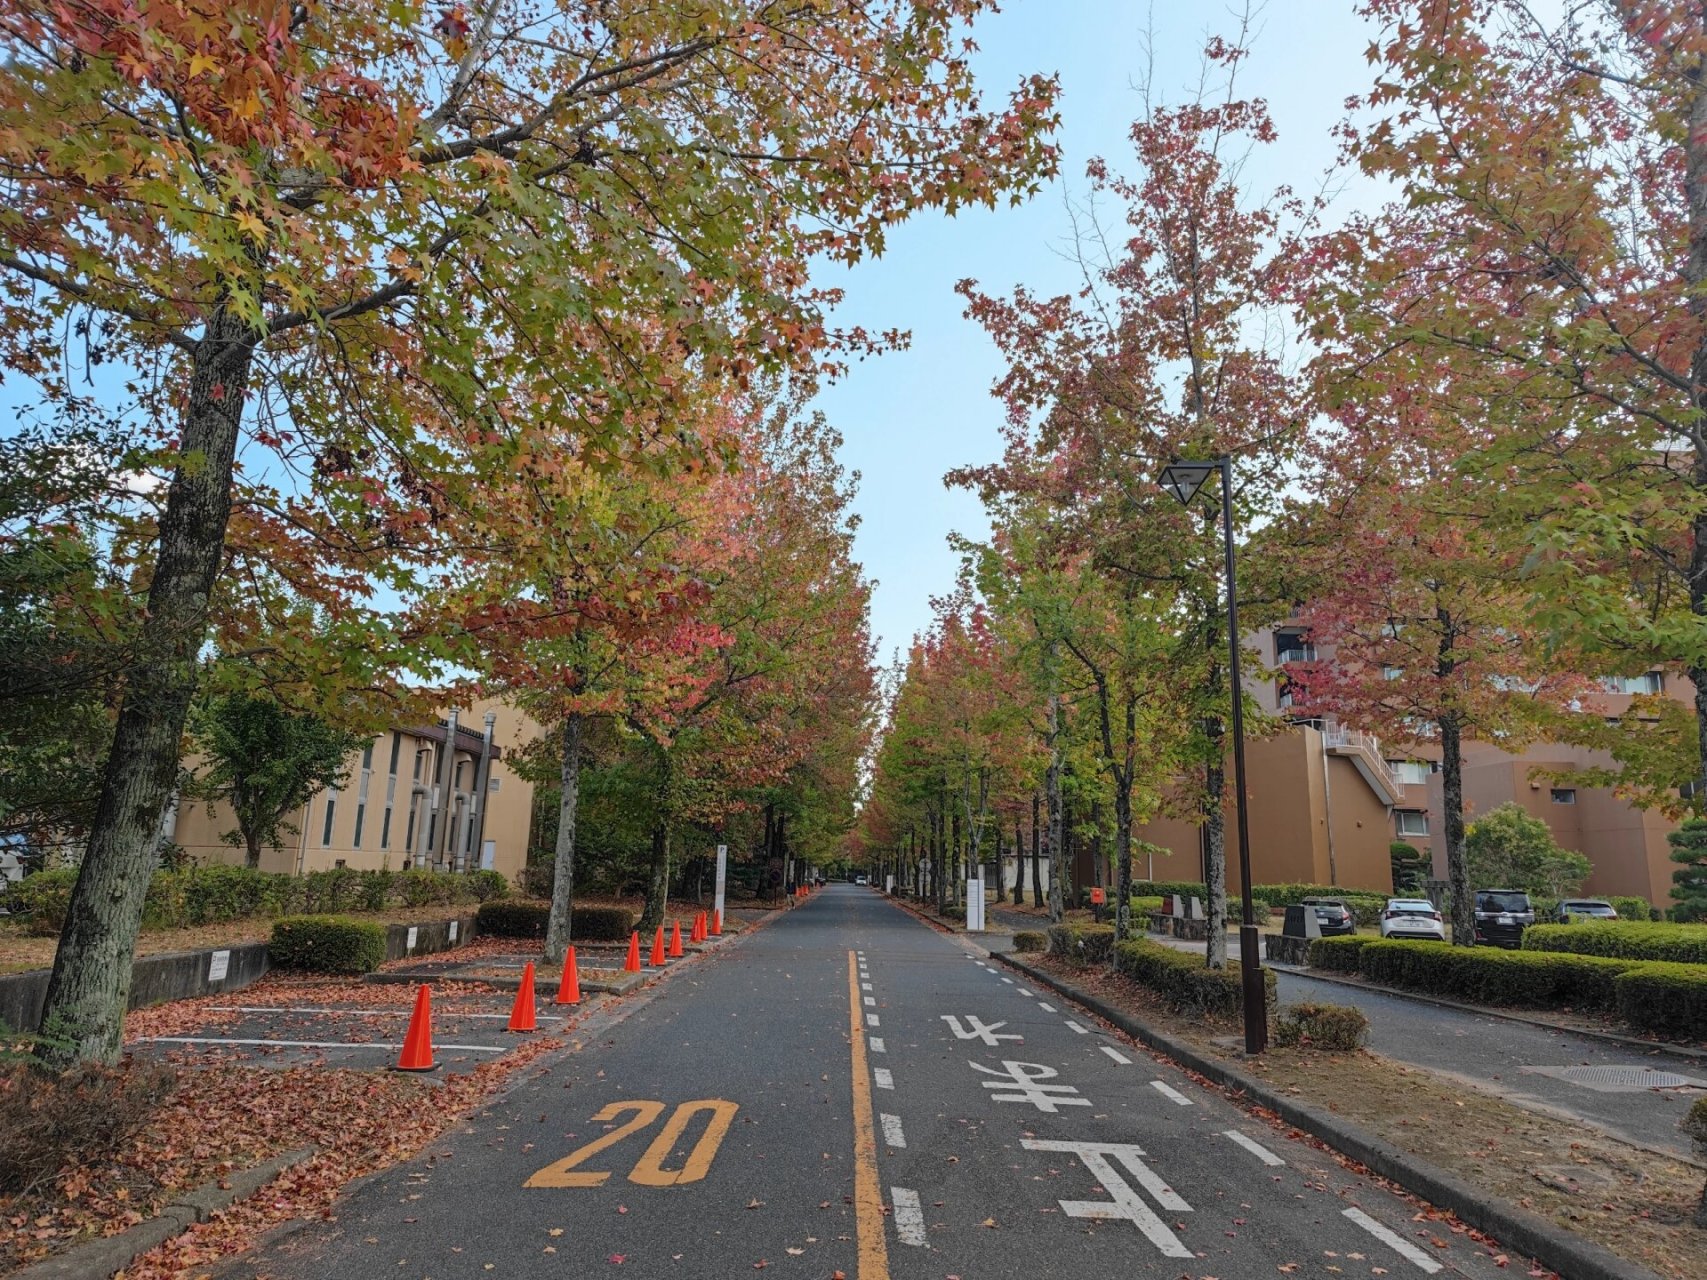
x: 1183, y: 480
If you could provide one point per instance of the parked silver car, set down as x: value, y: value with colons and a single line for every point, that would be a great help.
x: 1587, y: 908
x: 1412, y: 918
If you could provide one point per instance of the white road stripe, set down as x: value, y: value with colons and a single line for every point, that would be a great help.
x: 1117, y: 1055
x: 871, y: 1020
x: 871, y: 1000
x: 909, y: 1218
x: 1047, y: 1008
x: 315, y: 1044
x: 1168, y: 1091
x: 877, y: 1044
x: 865, y: 986
x: 1254, y: 1147
x: 1084, y: 1031
x: 1009, y: 981
x: 1398, y: 1244
x: 882, y: 1077
x: 892, y: 1135
x: 402, y: 1012
x: 1031, y: 995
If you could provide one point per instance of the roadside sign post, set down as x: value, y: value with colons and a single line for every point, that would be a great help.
x: 975, y: 905
x: 722, y: 878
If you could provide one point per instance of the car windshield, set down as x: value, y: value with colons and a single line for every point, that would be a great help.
x: 1587, y: 909
x: 1416, y: 911
x: 1502, y: 902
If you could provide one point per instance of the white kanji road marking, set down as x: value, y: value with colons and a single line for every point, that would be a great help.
x: 980, y: 1030
x: 1126, y: 1206
x: 1025, y: 1078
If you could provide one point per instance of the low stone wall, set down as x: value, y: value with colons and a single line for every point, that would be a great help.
x: 1195, y: 930
x: 1285, y: 949
x: 183, y: 975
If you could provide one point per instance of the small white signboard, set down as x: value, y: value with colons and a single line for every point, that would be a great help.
x: 975, y: 906
x: 218, y: 965
x: 722, y: 878
x: 453, y: 928
x: 409, y: 944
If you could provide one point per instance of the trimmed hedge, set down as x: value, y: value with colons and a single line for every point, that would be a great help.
x: 601, y: 924
x: 1181, y: 980
x: 1030, y: 940
x: 327, y: 944
x: 1489, y: 975
x: 1624, y: 939
x: 1339, y: 954
x: 1335, y: 1028
x: 1082, y: 943
x: 1670, y: 999
x: 513, y: 919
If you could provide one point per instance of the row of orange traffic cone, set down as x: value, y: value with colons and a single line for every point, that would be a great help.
x: 417, y: 1052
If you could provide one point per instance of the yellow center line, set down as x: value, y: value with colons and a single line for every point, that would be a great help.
x: 868, y: 1196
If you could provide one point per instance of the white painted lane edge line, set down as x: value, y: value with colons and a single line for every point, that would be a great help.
x: 1254, y: 1147
x: 892, y: 1135
x: 877, y: 1044
x: 865, y: 986
x: 1116, y: 1054
x: 1009, y: 981
x: 1084, y: 1031
x: 871, y: 1020
x: 1030, y: 995
x: 1047, y: 1008
x: 882, y: 1078
x: 316, y: 1044
x: 1397, y: 1243
x: 399, y: 1012
x: 909, y: 1218
x: 871, y: 1000
x: 1168, y: 1091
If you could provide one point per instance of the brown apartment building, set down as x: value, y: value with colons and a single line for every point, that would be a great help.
x: 1326, y: 801
x: 440, y: 795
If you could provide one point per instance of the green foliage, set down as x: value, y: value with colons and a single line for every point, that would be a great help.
x: 1410, y: 866
x: 1157, y: 888
x: 1145, y: 905
x: 265, y: 762
x: 85, y: 1115
x: 1182, y: 980
x: 1338, y: 954
x: 1509, y: 849
x: 375, y: 887
x: 1694, y: 1122
x: 434, y: 888
x: 1625, y: 940
x: 1030, y: 940
x: 513, y: 918
x: 1365, y: 907
x: 1488, y: 975
x: 46, y: 896
x: 327, y: 944
x: 1689, y: 881
x: 1336, y: 1028
x: 602, y: 924
x: 1668, y: 999
x: 1082, y: 943
x: 486, y: 886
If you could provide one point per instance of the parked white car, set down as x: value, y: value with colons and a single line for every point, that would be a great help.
x: 1412, y: 918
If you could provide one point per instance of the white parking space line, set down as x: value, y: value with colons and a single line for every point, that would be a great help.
x: 892, y: 1135
x: 1116, y: 1054
x: 1397, y: 1243
x: 1254, y: 1147
x: 909, y: 1218
x: 871, y: 1000
x: 1168, y: 1091
x: 871, y: 1020
x: 865, y: 986
x: 1047, y: 1008
x: 877, y: 1044
x: 1084, y: 1031
x: 882, y: 1078
x: 316, y: 1044
x: 400, y: 1013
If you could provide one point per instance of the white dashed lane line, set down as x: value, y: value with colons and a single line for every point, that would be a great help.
x: 892, y: 1135
x: 1009, y: 981
x: 1116, y: 1054
x: 1397, y: 1243
x: 877, y: 1044
x: 871, y: 1020
x: 1047, y: 1008
x: 882, y: 1078
x: 1169, y: 1092
x: 1029, y: 995
x: 870, y: 1000
x: 1254, y: 1147
x: 1083, y: 1031
x: 909, y: 1217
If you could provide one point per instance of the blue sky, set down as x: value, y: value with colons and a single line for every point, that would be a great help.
x: 911, y: 416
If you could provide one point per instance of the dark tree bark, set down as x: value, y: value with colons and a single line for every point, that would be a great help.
x: 1036, y: 850
x: 558, y: 928
x: 1019, y: 865
x: 1052, y: 797
x: 89, y: 987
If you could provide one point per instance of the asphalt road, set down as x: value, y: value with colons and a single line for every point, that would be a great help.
x: 847, y: 1091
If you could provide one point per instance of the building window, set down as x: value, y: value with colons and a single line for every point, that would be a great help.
x: 367, y: 756
x: 1413, y: 773
x: 1648, y: 682
x: 396, y: 747
x: 1411, y: 822
x: 361, y: 814
x: 1390, y: 672
x: 326, y: 832
x: 1291, y: 646
x: 385, y: 829
x: 1564, y: 795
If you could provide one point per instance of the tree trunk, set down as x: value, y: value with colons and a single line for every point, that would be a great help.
x: 251, y: 850
x: 1695, y: 276
x: 1019, y: 865
x: 1457, y: 865
x: 90, y: 984
x: 1123, y: 856
x: 1036, y: 851
x: 1215, y: 869
x: 959, y: 865
x: 658, y: 881
x: 557, y: 929
x: 1001, y: 871
x: 1052, y: 798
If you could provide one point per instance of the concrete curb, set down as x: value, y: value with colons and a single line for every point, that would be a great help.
x: 1517, y: 1229
x: 1504, y: 1015
x: 99, y: 1259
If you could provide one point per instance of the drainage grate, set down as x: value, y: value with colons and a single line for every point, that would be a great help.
x: 1620, y: 1078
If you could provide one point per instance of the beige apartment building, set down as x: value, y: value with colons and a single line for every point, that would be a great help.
x: 440, y: 795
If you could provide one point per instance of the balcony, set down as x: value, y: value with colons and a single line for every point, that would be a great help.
x: 1297, y: 653
x: 1364, y: 752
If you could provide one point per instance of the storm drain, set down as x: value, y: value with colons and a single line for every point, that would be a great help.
x: 1620, y: 1079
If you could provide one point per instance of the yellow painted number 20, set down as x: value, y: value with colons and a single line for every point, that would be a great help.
x: 649, y: 1170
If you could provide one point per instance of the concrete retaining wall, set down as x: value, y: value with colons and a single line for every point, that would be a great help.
x: 183, y: 975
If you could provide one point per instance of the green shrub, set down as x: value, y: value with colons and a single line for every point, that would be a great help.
x: 1030, y: 940
x: 952, y: 912
x: 1623, y: 939
x: 1694, y: 1122
x: 331, y: 891
x: 1082, y: 943
x: 487, y: 886
x: 1145, y: 905
x: 1669, y: 999
x: 1637, y: 909
x: 1488, y: 975
x: 1366, y: 907
x: 1337, y: 1028
x: 601, y: 924
x: 434, y: 888
x: 374, y: 891
x: 1338, y: 954
x: 514, y: 918
x: 327, y: 944
x: 46, y: 896
x: 537, y: 879
x: 1180, y: 978
x: 1157, y: 888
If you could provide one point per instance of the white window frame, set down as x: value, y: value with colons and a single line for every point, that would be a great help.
x: 1399, y: 817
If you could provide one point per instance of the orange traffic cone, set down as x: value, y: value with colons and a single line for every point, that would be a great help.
x: 657, y: 958
x: 632, y: 964
x: 522, y: 1012
x: 717, y: 924
x: 676, y: 941
x: 699, y: 928
x: 417, y: 1052
x: 569, y: 989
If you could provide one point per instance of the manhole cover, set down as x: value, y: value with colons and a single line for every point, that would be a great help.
x: 1618, y: 1079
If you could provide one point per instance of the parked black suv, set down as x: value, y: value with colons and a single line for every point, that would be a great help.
x: 1501, y: 916
x: 1334, y: 917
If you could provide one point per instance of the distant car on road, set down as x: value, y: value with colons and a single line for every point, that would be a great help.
x: 1589, y: 908
x: 1334, y: 917
x: 860, y: 878
x: 1412, y: 918
x: 1502, y: 915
